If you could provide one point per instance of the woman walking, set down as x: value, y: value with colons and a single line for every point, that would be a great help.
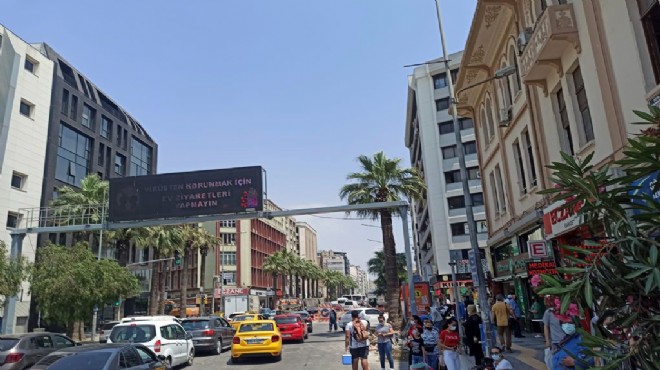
x: 449, y: 341
x: 385, y: 332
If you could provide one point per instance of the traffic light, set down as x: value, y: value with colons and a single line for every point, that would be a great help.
x: 177, y: 258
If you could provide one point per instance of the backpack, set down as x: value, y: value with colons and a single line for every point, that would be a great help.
x: 360, y: 332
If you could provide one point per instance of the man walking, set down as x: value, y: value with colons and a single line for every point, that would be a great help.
x: 500, y: 316
x: 515, y: 323
x: 332, y: 320
x: 359, y: 349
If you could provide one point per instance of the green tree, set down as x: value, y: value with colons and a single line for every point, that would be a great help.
x: 69, y: 282
x: 382, y: 179
x: 194, y: 237
x: 275, y: 264
x: 376, y: 266
x: 621, y: 269
x: 12, y: 273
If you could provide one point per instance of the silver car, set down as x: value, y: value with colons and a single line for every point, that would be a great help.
x: 21, y: 351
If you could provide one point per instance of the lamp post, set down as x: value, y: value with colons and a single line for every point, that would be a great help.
x: 474, y: 243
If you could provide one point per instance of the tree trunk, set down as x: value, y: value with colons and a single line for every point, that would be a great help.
x: 154, y: 296
x: 183, y: 303
x: 163, y: 280
x: 391, y: 273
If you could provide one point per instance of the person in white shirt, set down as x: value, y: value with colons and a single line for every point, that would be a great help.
x: 500, y: 362
x: 359, y: 350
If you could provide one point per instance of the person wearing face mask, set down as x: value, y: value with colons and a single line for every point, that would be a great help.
x: 430, y: 336
x: 385, y: 333
x: 570, y: 354
x: 449, y: 341
x: 498, y: 358
x: 473, y: 334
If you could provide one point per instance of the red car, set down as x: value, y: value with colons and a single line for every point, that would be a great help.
x: 291, y: 327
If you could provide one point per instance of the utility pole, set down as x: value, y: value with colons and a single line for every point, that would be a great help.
x: 472, y: 227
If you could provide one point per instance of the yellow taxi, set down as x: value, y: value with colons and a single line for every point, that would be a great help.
x: 237, y: 320
x: 256, y: 338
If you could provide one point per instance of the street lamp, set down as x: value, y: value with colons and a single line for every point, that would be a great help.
x: 474, y: 243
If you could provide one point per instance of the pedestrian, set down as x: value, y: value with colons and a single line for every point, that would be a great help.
x: 332, y: 320
x: 515, y: 323
x: 430, y: 337
x: 500, y: 315
x: 473, y: 334
x: 571, y: 354
x: 359, y: 349
x: 436, y: 316
x: 415, y: 324
x: 385, y: 334
x: 416, y: 347
x: 551, y: 330
x: 449, y: 341
x: 499, y: 361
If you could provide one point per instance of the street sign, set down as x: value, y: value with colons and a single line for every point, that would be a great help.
x: 537, y: 249
x: 473, y: 268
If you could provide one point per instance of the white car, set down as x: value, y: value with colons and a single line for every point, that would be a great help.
x: 370, y: 314
x: 163, y: 337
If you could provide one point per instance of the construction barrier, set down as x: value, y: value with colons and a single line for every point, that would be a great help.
x: 323, y: 313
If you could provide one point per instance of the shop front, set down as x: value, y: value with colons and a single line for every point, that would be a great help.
x: 443, y: 287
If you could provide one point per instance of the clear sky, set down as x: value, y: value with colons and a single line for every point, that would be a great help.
x: 300, y: 87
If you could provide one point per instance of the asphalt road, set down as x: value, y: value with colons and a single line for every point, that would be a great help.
x: 322, y: 350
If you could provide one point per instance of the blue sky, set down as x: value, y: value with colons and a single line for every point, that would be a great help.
x: 300, y: 87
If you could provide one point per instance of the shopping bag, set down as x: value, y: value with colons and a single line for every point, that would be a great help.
x: 547, y: 358
x: 464, y: 362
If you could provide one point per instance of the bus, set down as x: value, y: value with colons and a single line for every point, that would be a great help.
x: 360, y: 299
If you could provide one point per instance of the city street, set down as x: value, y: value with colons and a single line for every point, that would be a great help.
x: 320, y: 350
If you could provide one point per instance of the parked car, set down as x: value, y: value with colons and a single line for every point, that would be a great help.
x: 307, y: 318
x: 369, y: 314
x: 20, y: 351
x: 292, y: 327
x: 349, y: 305
x: 163, y: 337
x: 105, y: 330
x: 256, y: 338
x: 127, y: 356
x: 210, y: 333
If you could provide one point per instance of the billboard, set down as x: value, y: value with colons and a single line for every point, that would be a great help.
x: 186, y: 194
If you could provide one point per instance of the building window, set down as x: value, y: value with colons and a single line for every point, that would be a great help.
x: 477, y: 199
x: 120, y: 164
x: 473, y: 173
x: 484, y: 128
x: 18, y: 180
x: 456, y: 202
x: 106, y: 128
x: 583, y: 106
x: 470, y: 147
x: 228, y: 238
x: 100, y: 156
x: 455, y: 175
x: 442, y: 104
x: 482, y: 228
x: 454, y: 75
x: 119, y: 130
x: 489, y: 118
x: 73, y: 156
x: 64, y: 109
x: 494, y: 193
x: 449, y: 152
x: 26, y: 108
x: 565, y: 125
x: 650, y: 16
x: 500, y: 188
x: 440, y: 81
x: 31, y: 65
x: 228, y: 223
x: 228, y: 258
x: 13, y: 219
x: 529, y: 158
x: 458, y: 229
x: 74, y: 107
x: 141, y: 155
x: 520, y: 168
x: 229, y: 278
x: 88, y: 116
x: 516, y: 76
x: 446, y: 127
x: 466, y: 123
x: 505, y: 90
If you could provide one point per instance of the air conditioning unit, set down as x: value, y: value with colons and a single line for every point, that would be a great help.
x: 524, y: 38
x: 505, y: 117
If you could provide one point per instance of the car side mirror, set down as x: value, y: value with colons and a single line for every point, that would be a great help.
x: 161, y: 357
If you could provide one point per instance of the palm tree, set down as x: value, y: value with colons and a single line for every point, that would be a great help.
x: 194, y: 237
x: 274, y: 264
x: 376, y: 266
x: 382, y: 179
x: 83, y: 205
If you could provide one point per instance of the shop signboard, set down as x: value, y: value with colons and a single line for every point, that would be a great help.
x: 473, y: 268
x: 557, y: 219
x: 513, y: 265
x: 422, y: 295
x: 541, y: 268
x: 186, y: 194
x: 646, y: 186
x: 537, y: 249
x: 230, y: 292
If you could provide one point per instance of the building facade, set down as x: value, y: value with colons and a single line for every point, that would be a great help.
x: 26, y: 77
x: 334, y: 261
x: 439, y: 217
x: 582, y: 67
x: 361, y: 280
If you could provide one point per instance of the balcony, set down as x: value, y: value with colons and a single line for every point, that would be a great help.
x: 555, y: 30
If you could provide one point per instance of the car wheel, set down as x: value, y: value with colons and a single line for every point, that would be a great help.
x: 218, y: 347
x: 191, y: 357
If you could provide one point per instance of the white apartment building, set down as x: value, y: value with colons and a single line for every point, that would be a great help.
x: 439, y: 218
x: 307, y: 241
x: 361, y: 280
x: 25, y: 91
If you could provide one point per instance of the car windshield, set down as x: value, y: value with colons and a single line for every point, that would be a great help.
x: 257, y: 326
x: 7, y: 343
x: 195, y: 324
x: 133, y: 333
x: 286, y: 320
x: 242, y: 318
x: 79, y: 361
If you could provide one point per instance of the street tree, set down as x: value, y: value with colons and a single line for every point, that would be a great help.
x: 619, y: 270
x: 274, y: 264
x: 194, y: 237
x: 69, y: 282
x: 376, y: 266
x: 382, y: 179
x: 12, y: 273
